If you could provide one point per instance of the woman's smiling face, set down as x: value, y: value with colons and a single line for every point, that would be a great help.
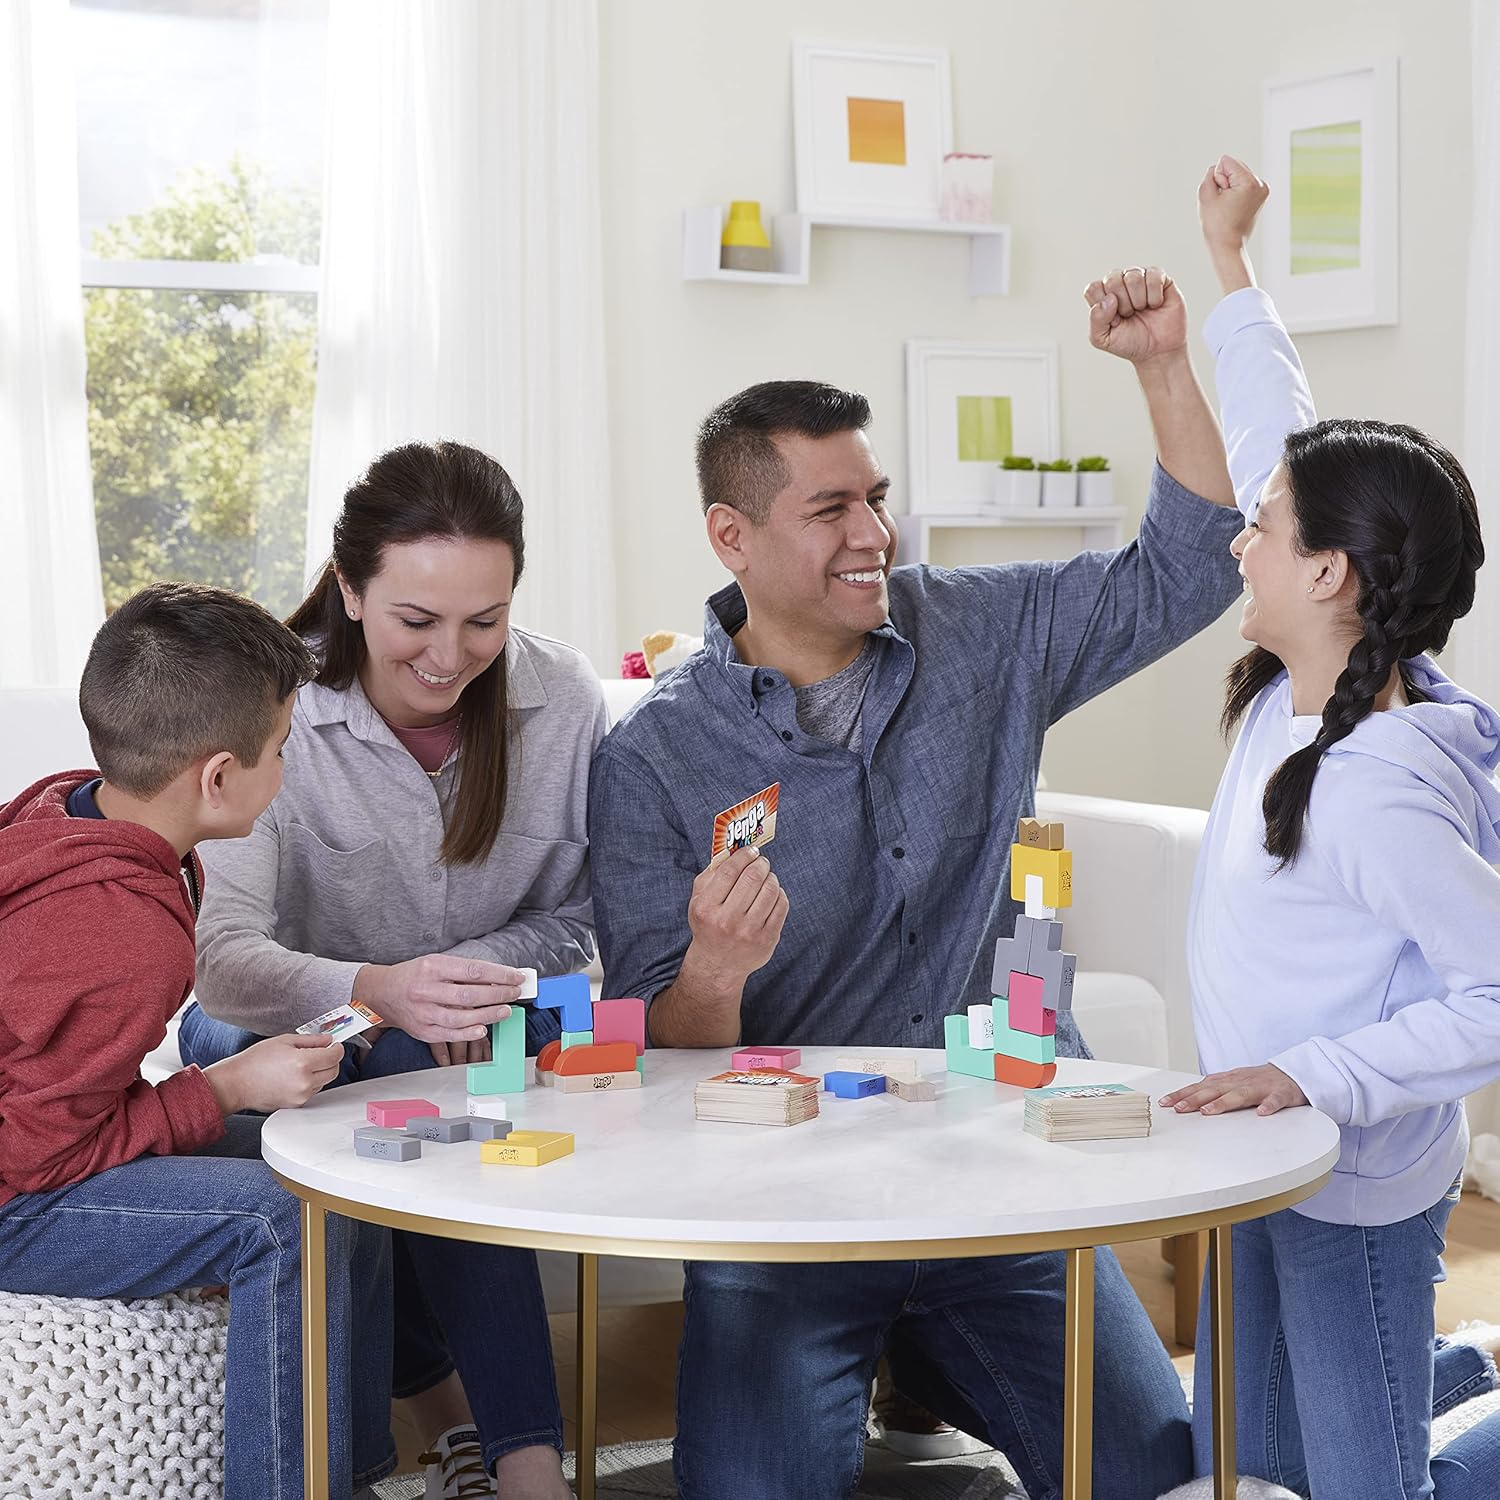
x: 434, y: 617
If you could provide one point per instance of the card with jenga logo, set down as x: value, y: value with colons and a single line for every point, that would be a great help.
x: 748, y: 824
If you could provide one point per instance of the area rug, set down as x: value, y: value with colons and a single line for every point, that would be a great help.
x: 628, y: 1471
x: 631, y: 1470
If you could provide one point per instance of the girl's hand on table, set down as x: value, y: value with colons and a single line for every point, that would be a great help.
x: 1265, y: 1089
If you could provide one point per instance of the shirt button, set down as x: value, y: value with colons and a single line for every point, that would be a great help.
x: 435, y: 874
x: 429, y: 936
x: 911, y: 939
x: 768, y: 681
x: 916, y: 1020
x: 786, y: 734
x: 898, y: 852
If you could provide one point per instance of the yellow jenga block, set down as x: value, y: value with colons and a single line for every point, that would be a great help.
x: 527, y: 1148
x: 1037, y: 835
x: 1055, y: 866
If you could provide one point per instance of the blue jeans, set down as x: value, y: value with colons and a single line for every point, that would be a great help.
x: 776, y: 1363
x: 164, y: 1223
x: 1333, y: 1339
x: 478, y: 1308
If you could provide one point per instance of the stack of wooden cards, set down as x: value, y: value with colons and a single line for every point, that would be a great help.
x: 1087, y: 1112
x: 757, y: 1097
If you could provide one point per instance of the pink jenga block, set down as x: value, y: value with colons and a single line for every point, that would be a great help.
x: 766, y: 1057
x: 396, y: 1112
x: 1026, y: 1011
x: 621, y: 1021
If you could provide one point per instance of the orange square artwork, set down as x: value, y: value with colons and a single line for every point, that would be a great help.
x: 877, y: 131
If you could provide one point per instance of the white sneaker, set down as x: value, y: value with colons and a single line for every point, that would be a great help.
x: 455, y: 1467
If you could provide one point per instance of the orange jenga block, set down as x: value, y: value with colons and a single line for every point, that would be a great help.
x: 1023, y: 1075
x: 599, y: 1057
x: 546, y: 1059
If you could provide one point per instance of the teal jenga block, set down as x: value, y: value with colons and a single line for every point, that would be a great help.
x: 962, y: 1058
x: 640, y: 1066
x: 577, y: 1039
x: 1021, y: 1044
x: 485, y: 1079
x: 508, y: 1053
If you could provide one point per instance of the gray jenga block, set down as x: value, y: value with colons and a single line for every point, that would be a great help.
x: 1057, y: 971
x: 1010, y: 958
x: 482, y: 1128
x: 396, y: 1145
x: 1019, y: 954
x: 445, y: 1130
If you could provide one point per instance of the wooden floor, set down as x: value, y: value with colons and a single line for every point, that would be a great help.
x: 638, y: 1346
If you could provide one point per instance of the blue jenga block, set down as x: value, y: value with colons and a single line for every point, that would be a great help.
x: 1057, y: 971
x: 962, y: 1058
x: 854, y: 1085
x: 568, y: 993
x: 1022, y: 1044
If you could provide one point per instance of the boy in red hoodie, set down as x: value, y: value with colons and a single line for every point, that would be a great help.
x: 113, y: 1187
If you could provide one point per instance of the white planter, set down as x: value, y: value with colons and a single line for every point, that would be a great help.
x: 1096, y: 488
x: 1059, y: 490
x: 1017, y: 489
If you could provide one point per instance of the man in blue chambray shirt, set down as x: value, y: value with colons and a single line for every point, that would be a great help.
x: 903, y: 715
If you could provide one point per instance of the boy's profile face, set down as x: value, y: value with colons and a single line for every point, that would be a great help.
x: 819, y: 562
x: 247, y: 791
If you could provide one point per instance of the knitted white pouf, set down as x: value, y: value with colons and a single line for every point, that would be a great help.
x: 112, y: 1399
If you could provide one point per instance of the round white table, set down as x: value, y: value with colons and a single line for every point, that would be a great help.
x: 869, y: 1179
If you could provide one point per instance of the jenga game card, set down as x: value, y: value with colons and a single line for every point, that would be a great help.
x: 747, y: 824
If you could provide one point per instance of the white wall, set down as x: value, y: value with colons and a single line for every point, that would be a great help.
x: 1101, y: 123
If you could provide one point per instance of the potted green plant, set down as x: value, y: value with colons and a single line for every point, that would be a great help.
x: 1018, y: 486
x: 1059, y: 485
x: 1096, y: 485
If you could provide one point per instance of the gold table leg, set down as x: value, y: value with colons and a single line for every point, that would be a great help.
x: 1078, y: 1378
x: 1221, y: 1328
x: 588, y: 1374
x: 314, y: 1352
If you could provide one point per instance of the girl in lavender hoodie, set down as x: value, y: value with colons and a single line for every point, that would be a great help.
x: 1344, y: 942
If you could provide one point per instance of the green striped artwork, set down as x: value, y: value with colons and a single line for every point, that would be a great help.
x: 983, y: 429
x: 1326, y: 186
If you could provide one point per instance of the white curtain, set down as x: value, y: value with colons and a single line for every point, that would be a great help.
x: 1478, y: 653
x: 462, y: 288
x: 51, y: 600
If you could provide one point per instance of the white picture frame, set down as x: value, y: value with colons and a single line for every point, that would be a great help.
x: 947, y: 473
x: 1330, y: 240
x: 851, y: 106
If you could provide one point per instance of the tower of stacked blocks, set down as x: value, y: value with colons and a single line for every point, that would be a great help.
x: 1014, y: 1038
x: 602, y: 1047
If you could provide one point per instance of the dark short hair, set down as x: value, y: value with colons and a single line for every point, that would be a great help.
x: 740, y: 465
x: 179, y: 672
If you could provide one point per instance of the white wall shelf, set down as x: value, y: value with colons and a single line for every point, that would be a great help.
x: 1102, y: 527
x: 791, y: 247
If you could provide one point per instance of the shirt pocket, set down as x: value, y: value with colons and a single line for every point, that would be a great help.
x: 521, y: 874
x: 332, y: 902
x: 952, y: 758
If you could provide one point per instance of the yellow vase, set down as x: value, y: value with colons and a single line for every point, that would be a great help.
x: 744, y: 245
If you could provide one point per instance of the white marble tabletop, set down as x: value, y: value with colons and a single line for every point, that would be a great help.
x: 876, y: 1171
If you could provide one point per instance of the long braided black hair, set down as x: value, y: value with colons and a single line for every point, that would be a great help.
x: 1401, y: 508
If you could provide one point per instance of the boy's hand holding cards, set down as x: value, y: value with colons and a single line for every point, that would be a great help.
x: 747, y: 825
x: 343, y: 1023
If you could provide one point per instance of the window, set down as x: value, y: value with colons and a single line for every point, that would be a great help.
x: 200, y: 167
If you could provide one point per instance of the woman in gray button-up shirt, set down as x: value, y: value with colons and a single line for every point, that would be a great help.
x: 429, y: 839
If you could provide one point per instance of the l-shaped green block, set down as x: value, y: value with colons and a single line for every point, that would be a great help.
x: 1021, y: 1044
x: 506, y: 1072
x: 961, y: 1057
x: 577, y: 1039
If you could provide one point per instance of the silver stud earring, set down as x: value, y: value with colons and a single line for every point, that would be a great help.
x: 354, y: 616
x: 1311, y: 588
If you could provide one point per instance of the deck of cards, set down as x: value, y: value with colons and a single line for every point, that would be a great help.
x: 757, y: 1096
x: 343, y: 1023
x: 1087, y: 1112
x: 746, y: 825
